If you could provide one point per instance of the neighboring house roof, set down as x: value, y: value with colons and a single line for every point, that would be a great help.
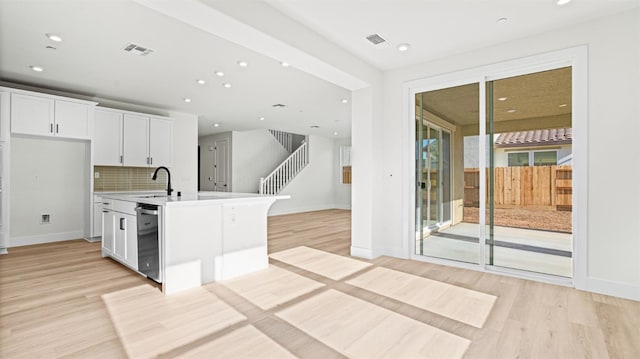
x: 555, y: 136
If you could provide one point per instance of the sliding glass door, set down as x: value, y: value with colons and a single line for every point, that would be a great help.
x: 441, y: 230
x: 529, y: 166
x: 506, y: 184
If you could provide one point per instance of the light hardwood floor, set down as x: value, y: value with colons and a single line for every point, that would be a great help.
x: 64, y: 300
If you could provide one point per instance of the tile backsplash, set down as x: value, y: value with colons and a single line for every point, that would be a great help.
x: 112, y: 179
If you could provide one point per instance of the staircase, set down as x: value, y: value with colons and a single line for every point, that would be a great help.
x: 285, y: 139
x: 289, y: 168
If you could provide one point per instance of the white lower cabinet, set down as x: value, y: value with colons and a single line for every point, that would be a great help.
x: 119, y: 233
x: 108, y: 232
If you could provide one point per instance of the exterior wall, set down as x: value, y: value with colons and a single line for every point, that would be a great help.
x: 501, y: 158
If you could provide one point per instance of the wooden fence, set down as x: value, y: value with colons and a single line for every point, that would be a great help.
x: 523, y: 186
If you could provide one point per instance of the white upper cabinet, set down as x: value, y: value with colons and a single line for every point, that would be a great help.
x: 136, y: 140
x: 72, y: 119
x: 107, y: 138
x: 123, y: 138
x: 160, y: 142
x: 32, y: 115
x: 44, y: 115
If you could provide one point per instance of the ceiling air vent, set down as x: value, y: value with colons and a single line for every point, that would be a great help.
x: 137, y: 49
x: 376, y: 39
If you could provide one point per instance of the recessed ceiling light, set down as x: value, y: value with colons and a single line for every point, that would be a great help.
x: 227, y: 85
x: 403, y: 47
x: 201, y: 82
x: 335, y: 133
x: 563, y: 105
x: 261, y: 118
x: 187, y: 100
x: 511, y: 110
x: 54, y: 37
x: 563, y: 2
x: 243, y: 63
x: 344, y: 100
x: 219, y: 73
x: 502, y: 99
x: 501, y: 20
x: 314, y: 126
x: 216, y: 125
x: 284, y: 64
x: 36, y: 68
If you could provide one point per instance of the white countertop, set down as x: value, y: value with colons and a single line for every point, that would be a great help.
x: 190, y: 198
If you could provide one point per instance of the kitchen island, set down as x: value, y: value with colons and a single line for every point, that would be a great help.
x: 201, y: 237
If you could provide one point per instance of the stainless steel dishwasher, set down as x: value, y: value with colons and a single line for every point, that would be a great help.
x: 148, y: 241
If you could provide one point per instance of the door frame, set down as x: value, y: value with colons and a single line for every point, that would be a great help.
x: 432, y: 125
x: 576, y: 58
x: 227, y: 164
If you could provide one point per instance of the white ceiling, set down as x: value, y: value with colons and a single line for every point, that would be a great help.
x: 437, y: 28
x: 90, y: 60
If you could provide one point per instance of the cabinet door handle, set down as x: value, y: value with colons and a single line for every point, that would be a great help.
x: 122, y: 224
x: 121, y: 159
x: 57, y: 128
x: 51, y: 127
x: 150, y: 160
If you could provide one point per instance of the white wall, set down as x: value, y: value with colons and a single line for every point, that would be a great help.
x: 313, y: 188
x: 184, y: 173
x: 614, y: 89
x: 254, y: 154
x: 342, y: 192
x: 47, y: 176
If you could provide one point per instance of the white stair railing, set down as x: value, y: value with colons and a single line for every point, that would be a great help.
x: 288, y: 169
x: 285, y: 139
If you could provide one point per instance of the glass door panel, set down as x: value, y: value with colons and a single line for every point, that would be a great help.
x: 529, y: 227
x: 446, y: 212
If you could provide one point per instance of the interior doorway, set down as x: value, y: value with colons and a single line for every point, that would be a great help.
x: 221, y: 166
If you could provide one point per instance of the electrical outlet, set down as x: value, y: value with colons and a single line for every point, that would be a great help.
x: 96, y: 175
x: 45, y: 218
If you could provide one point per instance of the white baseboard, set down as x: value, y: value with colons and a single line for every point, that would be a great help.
x: 342, y: 206
x: 45, y: 238
x: 281, y: 211
x: 397, y: 252
x: 366, y: 253
x: 3, y: 251
x: 93, y: 239
x: 615, y: 289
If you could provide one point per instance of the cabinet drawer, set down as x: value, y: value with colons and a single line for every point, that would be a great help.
x: 124, y: 207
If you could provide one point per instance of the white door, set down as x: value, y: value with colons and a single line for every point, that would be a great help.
x: 221, y: 165
x: 160, y: 142
x: 107, y: 138
x: 31, y: 115
x: 136, y: 140
x: 72, y: 120
x: 108, y: 231
x: 120, y: 243
x: 131, y: 241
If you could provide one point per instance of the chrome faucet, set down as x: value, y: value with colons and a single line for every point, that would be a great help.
x: 155, y: 176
